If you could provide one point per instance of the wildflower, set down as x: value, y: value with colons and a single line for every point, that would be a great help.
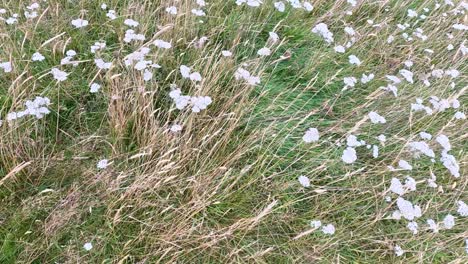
x: 147, y: 75
x: 79, y: 23
x: 397, y: 187
x: 103, y: 6
x: 315, y: 223
x: 367, y: 78
x: 382, y: 138
x: 273, y: 37
x: 37, y: 57
x: 423, y: 147
x: 408, y: 210
x: 172, y: 10
x: 94, y: 88
x: 349, y: 82
x: 398, y: 251
x: 304, y: 181
x: 340, y: 49
x: 162, y: 44
x: 444, y: 141
x: 376, y: 118
x: 311, y: 135
x: 404, y: 165
x: 375, y: 151
x: 449, y: 221
x: 101, y: 64
x: 462, y: 208
x: 280, y: 6
x: 308, y: 6
x: 349, y: 155
x: 59, y: 75
x: 131, y: 23
x: 88, y: 246
x: 102, y: 164
x: 407, y: 75
x: 198, y: 12
x: 451, y: 164
x: 352, y: 141
x: 226, y: 53
x: 195, y: 76
x: 97, y: 46
x: 200, y: 103
x: 264, y: 51
x: 111, y: 14
x: 322, y: 30
x: 176, y: 128
x: 6, y: 66
x: 413, y: 227
x: 245, y: 75
x: 328, y: 229
x: 354, y: 60
x: 433, y: 225
x: 425, y: 135
x: 432, y: 181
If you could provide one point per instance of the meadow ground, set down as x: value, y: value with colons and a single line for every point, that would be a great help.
x: 234, y: 131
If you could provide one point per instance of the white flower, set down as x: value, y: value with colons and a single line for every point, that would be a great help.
x: 176, y: 128
x: 304, y: 181
x: 264, y: 51
x: 185, y: 71
x: 97, y: 46
x: 37, y: 57
x: 397, y: 187
x: 280, y: 6
x: 328, y: 229
x: 226, y: 53
x: 79, y: 23
x: 404, y: 165
x: 201, y: 3
x: 111, y: 14
x: 350, y: 31
x: 407, y: 75
x: 195, y: 76
x: 103, y: 6
x: 198, y: 12
x: 462, y: 208
x: 244, y: 74
x: 408, y: 210
x: 398, y: 251
x: 354, y: 60
x: 376, y: 118
x: 352, y: 141
x: 367, y: 78
x: 94, y: 88
x: 308, y: 6
x: 315, y: 223
x: 59, y: 75
x: 131, y: 23
x: 88, y: 246
x: 340, y: 49
x: 322, y: 30
x: 451, y: 164
x: 349, y: 155
x: 172, y: 10
x: 413, y: 227
x: 375, y: 151
x: 449, y: 221
x: 311, y: 135
x: 349, y: 82
x: 412, y: 13
x: 425, y: 135
x: 422, y: 147
x: 433, y: 225
x: 101, y: 64
x: 162, y: 44
x: 432, y: 181
x: 444, y: 141
x: 6, y: 66
x: 273, y: 37
x: 382, y: 138
x: 147, y: 75
x: 102, y: 164
x: 200, y: 103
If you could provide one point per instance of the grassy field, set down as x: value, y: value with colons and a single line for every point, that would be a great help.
x: 145, y: 161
